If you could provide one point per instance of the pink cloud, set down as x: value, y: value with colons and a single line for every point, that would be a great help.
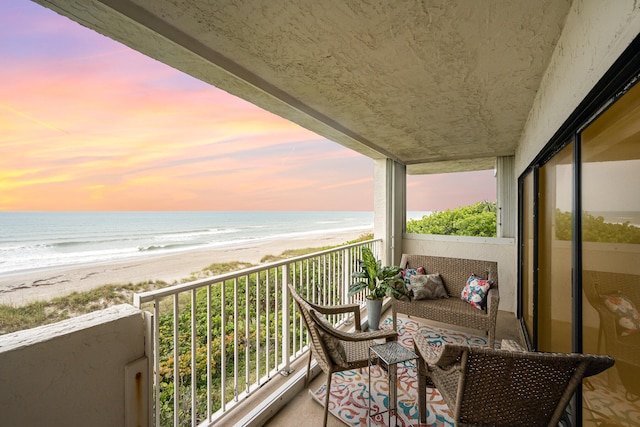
x: 88, y: 124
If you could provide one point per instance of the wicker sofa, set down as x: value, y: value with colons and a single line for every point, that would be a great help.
x: 453, y: 310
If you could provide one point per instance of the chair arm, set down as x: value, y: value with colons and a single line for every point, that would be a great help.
x: 493, y: 300
x: 435, y: 355
x: 334, y: 309
x: 339, y: 309
x: 511, y: 345
x: 387, y: 334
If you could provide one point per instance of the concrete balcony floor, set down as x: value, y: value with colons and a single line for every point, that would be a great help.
x: 303, y: 410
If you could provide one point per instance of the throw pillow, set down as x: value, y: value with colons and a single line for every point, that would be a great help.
x: 625, y: 311
x: 428, y: 286
x: 334, y: 346
x: 408, y: 272
x: 475, y: 291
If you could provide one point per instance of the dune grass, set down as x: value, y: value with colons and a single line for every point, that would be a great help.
x: 54, y: 310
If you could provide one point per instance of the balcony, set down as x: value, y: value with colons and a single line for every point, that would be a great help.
x: 257, y: 377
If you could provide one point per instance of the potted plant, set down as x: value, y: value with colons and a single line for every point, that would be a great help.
x: 381, y: 281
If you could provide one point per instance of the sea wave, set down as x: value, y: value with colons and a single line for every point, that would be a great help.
x: 167, y: 247
x: 45, y: 240
x: 34, y: 260
x: 195, y: 234
x: 83, y: 242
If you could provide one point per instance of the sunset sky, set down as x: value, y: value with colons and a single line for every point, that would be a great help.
x: 89, y: 124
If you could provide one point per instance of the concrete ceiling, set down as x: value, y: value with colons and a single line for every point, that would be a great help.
x: 436, y: 85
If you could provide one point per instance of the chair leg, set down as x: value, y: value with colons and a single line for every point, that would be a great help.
x: 326, y: 399
x: 306, y: 381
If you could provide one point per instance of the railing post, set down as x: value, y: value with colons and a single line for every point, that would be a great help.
x: 346, y: 269
x: 346, y: 275
x: 286, y: 330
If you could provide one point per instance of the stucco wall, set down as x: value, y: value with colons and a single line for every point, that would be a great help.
x: 503, y: 251
x: 70, y: 373
x: 595, y: 35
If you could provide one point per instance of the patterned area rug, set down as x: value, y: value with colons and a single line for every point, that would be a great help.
x: 350, y: 394
x: 609, y: 406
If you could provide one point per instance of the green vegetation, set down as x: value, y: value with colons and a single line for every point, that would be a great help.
x: 44, y: 312
x: 595, y: 229
x: 217, y: 269
x: 474, y: 220
x: 222, y: 337
x: 292, y: 253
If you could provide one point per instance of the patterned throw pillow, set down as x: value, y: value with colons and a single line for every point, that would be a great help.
x: 625, y: 311
x: 475, y: 291
x: 333, y: 345
x: 428, y: 286
x: 408, y: 272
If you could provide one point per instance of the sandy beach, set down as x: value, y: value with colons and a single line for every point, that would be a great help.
x: 21, y: 289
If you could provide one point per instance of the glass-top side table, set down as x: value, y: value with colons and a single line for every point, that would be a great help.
x: 387, y: 356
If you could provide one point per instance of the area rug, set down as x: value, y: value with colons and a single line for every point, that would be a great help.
x: 350, y: 394
x: 607, y: 405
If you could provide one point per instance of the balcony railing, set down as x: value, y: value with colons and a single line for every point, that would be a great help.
x: 217, y: 340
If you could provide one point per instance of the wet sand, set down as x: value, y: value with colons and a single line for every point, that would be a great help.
x: 23, y: 288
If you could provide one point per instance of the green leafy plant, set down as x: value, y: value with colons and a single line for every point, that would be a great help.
x: 473, y: 220
x: 381, y: 281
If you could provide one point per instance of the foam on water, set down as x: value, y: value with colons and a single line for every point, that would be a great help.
x: 36, y: 240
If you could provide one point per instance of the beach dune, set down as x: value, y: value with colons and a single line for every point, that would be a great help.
x: 21, y: 289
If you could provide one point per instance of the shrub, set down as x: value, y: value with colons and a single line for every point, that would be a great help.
x: 474, y: 220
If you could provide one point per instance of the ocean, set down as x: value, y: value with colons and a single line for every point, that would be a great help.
x: 40, y: 240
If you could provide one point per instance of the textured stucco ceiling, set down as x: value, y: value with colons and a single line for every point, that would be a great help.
x: 436, y: 85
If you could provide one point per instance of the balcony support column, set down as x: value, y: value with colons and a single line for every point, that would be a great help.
x: 389, y: 215
x: 507, y: 195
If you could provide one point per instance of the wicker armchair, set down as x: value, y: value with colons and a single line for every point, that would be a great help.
x: 625, y: 348
x: 484, y: 386
x: 335, y: 350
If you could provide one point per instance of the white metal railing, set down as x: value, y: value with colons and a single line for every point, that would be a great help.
x: 217, y: 340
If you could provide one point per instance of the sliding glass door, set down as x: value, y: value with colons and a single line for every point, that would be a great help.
x: 611, y: 259
x: 580, y: 255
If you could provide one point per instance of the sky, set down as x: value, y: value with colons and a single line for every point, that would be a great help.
x: 87, y: 124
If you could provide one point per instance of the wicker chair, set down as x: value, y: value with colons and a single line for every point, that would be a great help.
x: 624, y: 348
x: 335, y: 350
x: 484, y: 386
